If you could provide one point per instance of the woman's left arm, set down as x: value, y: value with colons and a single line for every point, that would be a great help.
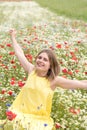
x: 70, y: 84
x: 84, y: 81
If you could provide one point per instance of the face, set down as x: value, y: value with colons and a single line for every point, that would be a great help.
x: 42, y: 62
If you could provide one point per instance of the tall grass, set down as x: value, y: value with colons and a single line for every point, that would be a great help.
x: 76, y: 9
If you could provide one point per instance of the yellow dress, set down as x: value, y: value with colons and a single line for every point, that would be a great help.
x: 32, y: 106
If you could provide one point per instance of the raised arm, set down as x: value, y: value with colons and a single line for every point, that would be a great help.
x: 69, y: 84
x: 20, y: 54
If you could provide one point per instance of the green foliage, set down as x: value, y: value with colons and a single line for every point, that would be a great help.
x: 68, y: 38
x: 68, y: 109
x: 76, y: 9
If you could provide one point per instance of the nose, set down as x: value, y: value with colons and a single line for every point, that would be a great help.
x: 40, y: 60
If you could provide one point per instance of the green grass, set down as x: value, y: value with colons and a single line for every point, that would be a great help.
x: 76, y: 9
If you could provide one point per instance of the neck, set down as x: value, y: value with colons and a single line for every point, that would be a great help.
x: 41, y: 74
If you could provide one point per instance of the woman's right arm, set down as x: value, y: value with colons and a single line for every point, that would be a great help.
x: 20, y: 54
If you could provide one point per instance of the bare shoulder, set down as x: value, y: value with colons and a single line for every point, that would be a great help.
x: 31, y: 69
x: 56, y: 81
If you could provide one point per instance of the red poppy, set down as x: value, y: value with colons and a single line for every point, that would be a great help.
x: 28, y: 42
x: 14, y: 66
x: 86, y: 73
x: 51, y: 47
x: 74, y: 111
x: 76, y: 49
x: 11, y: 53
x: 70, y: 72
x: 61, y: 62
x: 65, y: 70
x: 12, y: 82
x: 79, y: 42
x: 74, y: 58
x: 72, y: 53
x: 10, y: 92
x: 29, y: 57
x: 36, y: 38
x: 8, y: 45
x: 0, y: 56
x: 12, y: 78
x: 10, y: 115
x: 6, y: 67
x: 20, y: 84
x: 76, y: 71
x: 57, y: 125
x: 3, y: 91
x: 24, y: 78
x: 58, y: 45
x: 65, y: 42
x: 25, y: 39
x: 2, y: 46
x: 12, y: 61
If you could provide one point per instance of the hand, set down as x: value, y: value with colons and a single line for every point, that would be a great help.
x: 12, y: 33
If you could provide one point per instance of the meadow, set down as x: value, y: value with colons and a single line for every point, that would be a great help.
x: 38, y: 28
x: 74, y: 9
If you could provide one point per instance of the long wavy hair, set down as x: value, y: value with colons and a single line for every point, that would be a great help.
x: 54, y: 65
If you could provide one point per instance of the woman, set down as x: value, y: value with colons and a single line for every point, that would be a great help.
x: 32, y: 106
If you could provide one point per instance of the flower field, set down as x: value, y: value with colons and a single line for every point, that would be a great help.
x: 37, y: 28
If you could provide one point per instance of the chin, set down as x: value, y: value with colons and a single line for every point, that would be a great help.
x: 40, y: 69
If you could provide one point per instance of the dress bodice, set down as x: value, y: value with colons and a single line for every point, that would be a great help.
x: 35, y: 97
x: 32, y: 106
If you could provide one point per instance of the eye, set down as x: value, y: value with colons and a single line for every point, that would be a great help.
x: 39, y: 57
x: 45, y: 59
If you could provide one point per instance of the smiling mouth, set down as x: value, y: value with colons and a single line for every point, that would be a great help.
x: 40, y: 65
